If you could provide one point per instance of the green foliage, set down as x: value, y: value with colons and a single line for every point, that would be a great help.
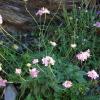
x: 76, y: 27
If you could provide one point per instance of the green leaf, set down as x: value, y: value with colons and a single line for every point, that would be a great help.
x: 29, y: 97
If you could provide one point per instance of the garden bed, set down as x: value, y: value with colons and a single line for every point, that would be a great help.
x: 51, y: 54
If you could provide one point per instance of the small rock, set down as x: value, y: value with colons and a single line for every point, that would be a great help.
x: 10, y: 92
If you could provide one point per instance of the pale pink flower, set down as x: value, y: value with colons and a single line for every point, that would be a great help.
x: 53, y: 43
x: 2, y: 82
x: 1, y: 21
x: 92, y: 74
x: 82, y: 56
x: 97, y: 24
x: 18, y: 71
x: 35, y: 61
x: 43, y: 11
x: 67, y: 84
x: 48, y: 61
x: 34, y: 72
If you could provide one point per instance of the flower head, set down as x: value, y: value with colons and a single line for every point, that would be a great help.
x: 67, y: 84
x: 92, y: 74
x: 53, y: 43
x: 2, y: 82
x: 73, y: 45
x: 18, y: 71
x: 28, y: 65
x: 82, y: 56
x: 48, y: 61
x: 35, y: 61
x: 86, y: 10
x: 98, y: 12
x: 1, y: 42
x: 97, y: 24
x: 34, y: 72
x: 42, y: 11
x: 71, y: 18
x: 0, y: 66
x: 15, y: 46
x: 1, y: 21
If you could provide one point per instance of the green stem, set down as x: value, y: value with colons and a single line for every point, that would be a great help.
x: 40, y: 68
x: 4, y: 72
x: 12, y: 37
x: 22, y: 78
x: 52, y: 71
x: 7, y: 33
x: 31, y: 15
x: 51, y: 50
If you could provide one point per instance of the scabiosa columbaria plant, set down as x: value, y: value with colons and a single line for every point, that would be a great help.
x: 82, y: 56
x: 42, y: 11
x: 2, y: 82
x: 67, y: 84
x: 34, y: 72
x: 92, y: 74
x: 48, y: 61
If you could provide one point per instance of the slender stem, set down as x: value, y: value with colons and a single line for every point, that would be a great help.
x: 40, y: 68
x: 31, y: 15
x: 52, y: 71
x: 51, y: 50
x: 12, y: 37
x: 43, y: 34
x: 22, y: 78
x: 53, y: 16
x: 4, y: 72
x: 3, y: 57
x: 7, y: 33
x: 40, y: 34
x: 68, y: 53
x: 44, y: 21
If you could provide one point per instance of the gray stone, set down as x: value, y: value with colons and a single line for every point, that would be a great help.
x: 10, y: 92
x: 17, y: 18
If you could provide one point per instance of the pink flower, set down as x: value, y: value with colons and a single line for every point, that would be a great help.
x: 35, y: 61
x: 92, y: 74
x: 48, y: 61
x: 97, y: 24
x: 18, y: 71
x: 1, y: 21
x: 43, y: 11
x: 67, y: 84
x: 34, y: 72
x: 82, y: 56
x: 2, y: 82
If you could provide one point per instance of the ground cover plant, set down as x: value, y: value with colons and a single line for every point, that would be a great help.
x: 63, y: 63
